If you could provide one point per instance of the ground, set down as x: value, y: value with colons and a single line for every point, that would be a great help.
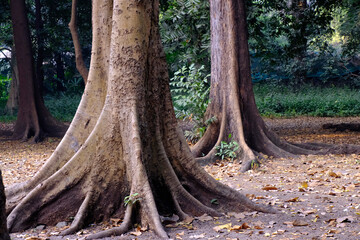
x: 317, y: 196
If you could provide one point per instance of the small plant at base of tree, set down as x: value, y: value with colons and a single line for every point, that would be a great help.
x: 131, y: 199
x: 227, y: 150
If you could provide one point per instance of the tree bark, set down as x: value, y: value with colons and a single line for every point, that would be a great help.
x: 124, y: 140
x: 232, y: 100
x: 33, y: 117
x: 4, y: 235
x: 80, y: 64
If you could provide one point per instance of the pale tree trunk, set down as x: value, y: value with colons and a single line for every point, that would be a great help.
x: 123, y: 141
x: 232, y: 101
x: 12, y: 103
x: 4, y: 235
x: 33, y: 118
x: 80, y: 64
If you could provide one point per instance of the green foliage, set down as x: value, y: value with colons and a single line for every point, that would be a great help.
x: 227, y: 149
x: 132, y: 199
x: 4, y: 87
x: 62, y: 107
x: 190, y: 88
x: 280, y: 100
x: 347, y: 24
x: 185, y: 32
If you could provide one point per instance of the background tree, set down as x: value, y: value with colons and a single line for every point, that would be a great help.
x: 123, y: 141
x: 33, y: 117
x: 232, y: 101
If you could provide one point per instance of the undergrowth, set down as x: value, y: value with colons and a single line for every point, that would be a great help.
x: 283, y: 101
x: 62, y: 107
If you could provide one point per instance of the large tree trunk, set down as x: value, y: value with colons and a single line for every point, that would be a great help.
x: 4, y: 235
x: 33, y: 117
x: 123, y: 141
x: 232, y: 100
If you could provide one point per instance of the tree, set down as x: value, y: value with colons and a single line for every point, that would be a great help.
x: 33, y: 117
x: 124, y: 141
x: 80, y: 64
x: 232, y: 101
x: 4, y: 235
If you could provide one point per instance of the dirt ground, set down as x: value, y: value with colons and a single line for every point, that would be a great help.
x: 317, y: 197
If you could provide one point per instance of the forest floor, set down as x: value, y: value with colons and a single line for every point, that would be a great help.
x: 318, y: 197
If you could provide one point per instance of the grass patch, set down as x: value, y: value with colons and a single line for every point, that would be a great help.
x: 62, y: 107
x: 283, y: 101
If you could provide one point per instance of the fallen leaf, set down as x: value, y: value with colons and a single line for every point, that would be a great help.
x: 137, y: 233
x: 236, y: 215
x: 224, y: 226
x: 296, y: 199
x: 198, y: 236
x: 299, y: 223
x: 332, y: 174
x: 269, y: 188
x: 345, y: 219
x: 205, y: 218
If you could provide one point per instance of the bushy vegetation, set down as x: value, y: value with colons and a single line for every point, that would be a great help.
x: 63, y: 107
x: 284, y: 101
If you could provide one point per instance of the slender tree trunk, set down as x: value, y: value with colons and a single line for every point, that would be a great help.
x: 60, y: 73
x: 232, y: 99
x: 124, y: 140
x: 4, y: 235
x: 80, y: 64
x: 13, y: 100
x: 33, y: 117
x: 39, y: 28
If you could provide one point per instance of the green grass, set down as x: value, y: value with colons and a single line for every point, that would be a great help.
x: 283, y: 101
x: 61, y: 107
x: 272, y: 101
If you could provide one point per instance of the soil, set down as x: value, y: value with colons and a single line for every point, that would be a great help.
x: 317, y: 197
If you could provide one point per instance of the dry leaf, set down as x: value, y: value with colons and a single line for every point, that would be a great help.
x: 224, y: 226
x: 299, y: 223
x: 236, y: 215
x: 198, y: 236
x: 268, y: 188
x: 296, y: 199
x: 332, y: 174
x: 137, y: 233
x: 345, y: 219
x: 205, y: 217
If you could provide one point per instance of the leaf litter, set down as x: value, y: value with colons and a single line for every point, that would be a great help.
x: 317, y: 196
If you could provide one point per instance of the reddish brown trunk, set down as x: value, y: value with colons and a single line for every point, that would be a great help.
x: 232, y: 98
x: 33, y: 118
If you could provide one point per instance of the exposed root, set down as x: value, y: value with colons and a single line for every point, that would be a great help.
x: 117, y: 231
x: 80, y: 217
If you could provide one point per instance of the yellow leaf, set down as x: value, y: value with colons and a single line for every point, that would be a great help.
x: 224, y: 226
x: 304, y: 185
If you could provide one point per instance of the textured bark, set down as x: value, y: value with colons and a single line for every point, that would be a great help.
x: 232, y: 98
x: 123, y: 140
x: 4, y: 235
x: 80, y: 64
x: 33, y: 117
